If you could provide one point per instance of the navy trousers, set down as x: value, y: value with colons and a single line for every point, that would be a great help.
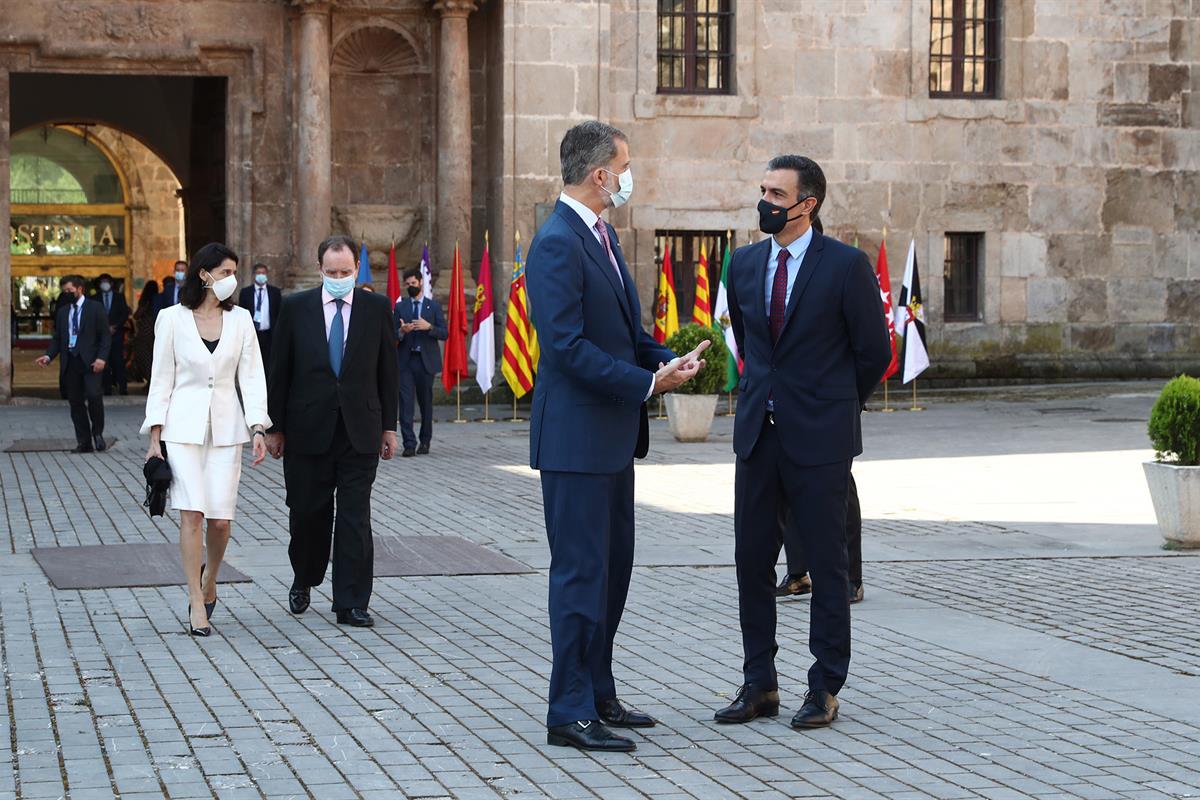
x: 794, y: 549
x: 764, y: 484
x: 416, y: 389
x: 589, y: 523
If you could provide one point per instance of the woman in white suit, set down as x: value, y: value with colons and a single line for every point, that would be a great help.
x: 205, y: 347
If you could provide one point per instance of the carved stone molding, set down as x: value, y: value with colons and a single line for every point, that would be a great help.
x: 377, y: 49
x: 455, y: 8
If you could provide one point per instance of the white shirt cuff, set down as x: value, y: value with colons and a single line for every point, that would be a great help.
x: 650, y: 393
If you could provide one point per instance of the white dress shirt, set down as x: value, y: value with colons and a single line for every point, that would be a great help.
x: 329, y: 306
x: 589, y: 218
x: 262, y: 313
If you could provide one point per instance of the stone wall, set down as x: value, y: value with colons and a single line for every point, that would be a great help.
x: 1084, y: 176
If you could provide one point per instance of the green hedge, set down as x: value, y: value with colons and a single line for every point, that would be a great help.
x: 1175, y: 422
x: 712, y: 377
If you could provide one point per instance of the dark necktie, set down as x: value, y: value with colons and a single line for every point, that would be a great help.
x: 337, y: 337
x: 779, y: 295
x: 107, y: 302
x: 258, y: 309
x: 74, y: 324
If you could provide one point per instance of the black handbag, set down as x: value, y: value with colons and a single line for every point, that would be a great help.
x: 158, y: 482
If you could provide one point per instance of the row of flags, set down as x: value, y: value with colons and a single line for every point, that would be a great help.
x: 519, y: 356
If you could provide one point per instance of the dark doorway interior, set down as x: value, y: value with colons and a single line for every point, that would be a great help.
x: 180, y: 118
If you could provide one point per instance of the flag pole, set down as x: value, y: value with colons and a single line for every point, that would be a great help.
x: 915, y: 407
x: 729, y: 413
x: 662, y: 404
x: 887, y: 408
x: 458, y: 419
x: 486, y: 416
x: 515, y: 418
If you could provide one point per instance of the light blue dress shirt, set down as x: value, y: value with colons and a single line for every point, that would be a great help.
x: 796, y: 251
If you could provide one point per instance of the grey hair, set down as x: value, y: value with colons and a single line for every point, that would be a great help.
x: 585, y: 147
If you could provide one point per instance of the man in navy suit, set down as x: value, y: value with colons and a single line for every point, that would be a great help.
x: 171, y: 286
x: 598, y: 367
x: 806, y: 317
x: 419, y: 327
x: 264, y: 301
x: 118, y: 312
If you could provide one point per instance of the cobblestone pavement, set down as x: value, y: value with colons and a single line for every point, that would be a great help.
x: 1018, y: 639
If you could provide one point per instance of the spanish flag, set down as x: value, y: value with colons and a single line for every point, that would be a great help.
x: 520, y: 358
x: 666, y: 309
x: 702, y: 308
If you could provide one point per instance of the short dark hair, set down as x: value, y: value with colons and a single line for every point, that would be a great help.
x: 181, y: 261
x: 259, y: 266
x: 335, y: 243
x: 585, y: 147
x: 104, y: 275
x: 810, y: 179
x: 412, y: 272
x: 207, y: 258
x: 74, y: 280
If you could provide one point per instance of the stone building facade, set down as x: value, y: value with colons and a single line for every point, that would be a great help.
x: 420, y: 121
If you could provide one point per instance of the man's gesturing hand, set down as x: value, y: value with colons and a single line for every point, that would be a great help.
x: 671, y: 376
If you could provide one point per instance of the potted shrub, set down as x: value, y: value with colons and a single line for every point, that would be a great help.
x: 1174, y: 475
x: 690, y: 407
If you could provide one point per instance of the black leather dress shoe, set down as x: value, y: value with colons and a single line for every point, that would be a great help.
x: 100, y: 444
x: 856, y: 594
x: 355, y: 617
x: 750, y: 703
x: 82, y: 448
x: 298, y: 599
x: 818, y: 711
x: 793, y: 586
x: 588, y: 735
x: 423, y: 450
x: 617, y: 715
x: 408, y: 453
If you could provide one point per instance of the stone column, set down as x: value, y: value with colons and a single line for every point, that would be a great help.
x: 314, y: 142
x: 6, y: 351
x: 453, y: 223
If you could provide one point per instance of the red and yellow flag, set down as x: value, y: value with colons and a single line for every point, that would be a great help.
x: 520, y: 358
x: 666, y: 309
x: 702, y: 307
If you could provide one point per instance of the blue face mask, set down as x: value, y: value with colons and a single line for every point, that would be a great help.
x: 338, y: 287
x: 261, y: 279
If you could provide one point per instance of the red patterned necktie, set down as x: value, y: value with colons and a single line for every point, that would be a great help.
x: 602, y: 229
x: 779, y: 295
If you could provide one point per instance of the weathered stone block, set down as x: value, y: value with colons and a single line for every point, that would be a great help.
x: 1185, y: 39
x: 1183, y: 300
x: 1064, y: 208
x: 1022, y: 255
x: 1147, y: 115
x: 1139, y: 197
x: 1013, y: 301
x: 1137, y: 300
x: 1087, y: 300
x: 545, y: 89
x: 1092, y: 338
x: 1071, y: 255
x: 1046, y: 299
x: 1187, y: 201
x: 1167, y: 81
x: 1139, y: 147
x: 1131, y: 82
x: 1047, y: 70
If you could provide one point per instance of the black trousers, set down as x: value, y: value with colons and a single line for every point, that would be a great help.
x: 264, y: 346
x: 794, y: 549
x: 764, y: 485
x: 416, y: 384
x: 114, y: 365
x: 85, y: 393
x: 329, y: 499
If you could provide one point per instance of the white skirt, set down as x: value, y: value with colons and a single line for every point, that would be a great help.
x: 204, y: 477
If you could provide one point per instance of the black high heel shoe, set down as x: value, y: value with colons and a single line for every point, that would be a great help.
x: 205, y: 631
x: 208, y: 607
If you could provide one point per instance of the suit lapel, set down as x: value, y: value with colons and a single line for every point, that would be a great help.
x: 760, y: 285
x: 595, y: 250
x: 358, y: 312
x: 317, y: 309
x: 812, y: 257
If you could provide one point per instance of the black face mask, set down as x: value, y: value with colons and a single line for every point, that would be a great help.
x: 414, y: 292
x: 772, y: 218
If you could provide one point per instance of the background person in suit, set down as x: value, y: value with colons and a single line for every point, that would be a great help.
x: 172, y: 284
x: 805, y: 313
x: 419, y: 327
x: 796, y: 582
x: 205, y: 351
x: 118, y: 313
x: 598, y: 367
x: 263, y: 301
x: 82, y: 338
x: 332, y: 396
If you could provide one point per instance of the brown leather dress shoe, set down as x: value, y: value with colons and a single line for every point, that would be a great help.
x: 819, y: 710
x: 750, y: 703
x: 793, y: 586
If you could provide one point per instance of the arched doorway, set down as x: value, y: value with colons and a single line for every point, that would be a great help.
x: 90, y: 201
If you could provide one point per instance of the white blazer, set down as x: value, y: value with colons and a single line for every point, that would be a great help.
x: 190, y: 386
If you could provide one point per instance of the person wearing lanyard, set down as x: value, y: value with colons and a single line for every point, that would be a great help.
x: 263, y: 300
x: 82, y: 338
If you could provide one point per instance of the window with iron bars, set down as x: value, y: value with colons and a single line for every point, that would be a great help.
x: 685, y: 260
x: 964, y: 48
x: 695, y: 47
x: 961, y: 270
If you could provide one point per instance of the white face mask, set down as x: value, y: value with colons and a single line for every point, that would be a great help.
x: 624, y: 187
x: 224, y: 288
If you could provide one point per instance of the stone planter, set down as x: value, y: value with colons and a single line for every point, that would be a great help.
x: 1176, y: 494
x: 690, y: 416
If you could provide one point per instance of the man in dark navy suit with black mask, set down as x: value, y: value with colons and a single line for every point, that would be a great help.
x: 806, y: 316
